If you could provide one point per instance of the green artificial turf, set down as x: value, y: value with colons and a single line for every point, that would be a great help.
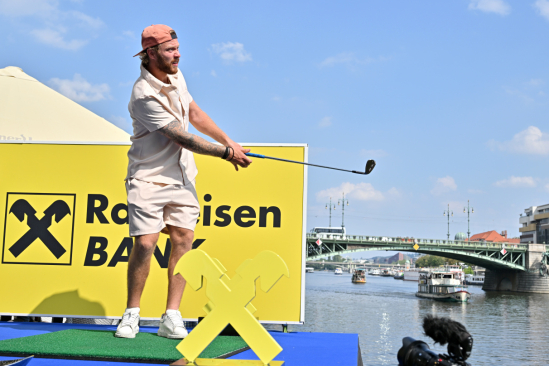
x: 102, y: 345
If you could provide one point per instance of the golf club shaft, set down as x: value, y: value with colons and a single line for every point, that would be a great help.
x: 296, y: 162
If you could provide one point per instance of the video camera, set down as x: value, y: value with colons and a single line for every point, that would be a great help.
x: 441, y: 330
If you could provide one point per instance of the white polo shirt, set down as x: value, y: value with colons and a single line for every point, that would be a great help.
x: 153, y: 157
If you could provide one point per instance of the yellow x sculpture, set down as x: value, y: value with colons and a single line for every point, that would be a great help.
x: 230, y: 300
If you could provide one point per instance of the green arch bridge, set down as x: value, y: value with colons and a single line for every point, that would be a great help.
x: 484, y: 254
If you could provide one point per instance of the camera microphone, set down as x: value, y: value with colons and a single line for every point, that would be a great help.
x: 446, y: 330
x: 441, y: 330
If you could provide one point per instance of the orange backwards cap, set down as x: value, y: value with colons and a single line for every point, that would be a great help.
x: 155, y: 34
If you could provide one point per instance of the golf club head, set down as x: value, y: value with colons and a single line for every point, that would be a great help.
x: 370, y: 164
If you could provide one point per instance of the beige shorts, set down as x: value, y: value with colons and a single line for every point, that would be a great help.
x: 152, y: 206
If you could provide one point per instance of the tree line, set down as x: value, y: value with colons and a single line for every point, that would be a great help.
x: 436, y: 261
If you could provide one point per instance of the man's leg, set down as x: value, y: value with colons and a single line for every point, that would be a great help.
x: 139, y: 266
x: 182, y: 241
x: 171, y: 323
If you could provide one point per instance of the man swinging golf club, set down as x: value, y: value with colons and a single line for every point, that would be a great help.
x: 161, y: 172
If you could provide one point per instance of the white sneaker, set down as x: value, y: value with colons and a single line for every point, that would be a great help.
x: 129, y: 325
x: 172, y: 325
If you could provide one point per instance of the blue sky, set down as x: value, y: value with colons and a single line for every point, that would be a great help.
x: 450, y: 97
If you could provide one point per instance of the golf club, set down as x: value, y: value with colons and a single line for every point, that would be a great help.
x: 370, y: 164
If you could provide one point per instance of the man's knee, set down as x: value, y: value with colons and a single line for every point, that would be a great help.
x: 181, y: 238
x: 180, y: 233
x: 145, y: 244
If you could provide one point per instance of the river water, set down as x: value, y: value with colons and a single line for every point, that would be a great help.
x: 508, y: 328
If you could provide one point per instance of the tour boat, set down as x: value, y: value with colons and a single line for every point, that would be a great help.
x: 442, y: 286
x: 375, y: 272
x: 387, y: 273
x: 338, y: 271
x: 309, y: 269
x: 359, y: 276
x: 474, y: 279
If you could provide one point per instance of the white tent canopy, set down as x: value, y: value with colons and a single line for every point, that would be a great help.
x: 30, y: 111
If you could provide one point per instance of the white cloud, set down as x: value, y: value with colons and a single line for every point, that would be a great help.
x: 86, y: 19
x: 513, y: 181
x: 490, y: 6
x: 535, y: 82
x: 530, y: 92
x: 232, y: 51
x: 543, y: 8
x: 393, y: 192
x: 373, y: 153
x: 50, y: 23
x: 530, y: 141
x: 213, y: 73
x: 360, y: 191
x: 126, y: 83
x: 342, y: 58
x: 121, y: 122
x: 27, y: 7
x: 525, y: 96
x: 79, y: 89
x: 455, y: 206
x: 325, y: 122
x: 55, y: 38
x: 349, y: 59
x: 443, y: 185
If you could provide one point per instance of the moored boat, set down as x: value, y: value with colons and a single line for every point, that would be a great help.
x: 387, y: 273
x: 309, y: 269
x: 375, y: 272
x: 442, y: 286
x: 474, y: 279
x: 359, y: 276
x: 411, y: 275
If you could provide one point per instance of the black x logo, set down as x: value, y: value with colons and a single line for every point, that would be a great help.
x: 39, y: 228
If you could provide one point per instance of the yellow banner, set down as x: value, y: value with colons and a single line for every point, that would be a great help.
x: 65, y: 239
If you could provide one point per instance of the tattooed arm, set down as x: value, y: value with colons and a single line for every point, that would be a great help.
x: 204, y: 124
x: 174, y: 131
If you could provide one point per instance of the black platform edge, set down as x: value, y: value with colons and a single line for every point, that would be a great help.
x: 359, y: 358
x: 21, y: 361
x: 113, y: 359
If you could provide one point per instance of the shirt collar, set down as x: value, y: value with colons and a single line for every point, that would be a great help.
x: 156, y: 84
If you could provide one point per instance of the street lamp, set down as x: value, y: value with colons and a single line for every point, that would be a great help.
x: 343, y: 201
x: 448, y: 212
x: 329, y: 205
x: 472, y: 211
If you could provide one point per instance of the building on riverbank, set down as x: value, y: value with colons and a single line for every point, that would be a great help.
x: 535, y: 225
x: 494, y: 237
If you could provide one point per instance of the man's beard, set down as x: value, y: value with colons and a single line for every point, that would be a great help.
x: 166, y: 66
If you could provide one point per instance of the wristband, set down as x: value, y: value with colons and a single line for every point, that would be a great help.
x: 232, y: 157
x: 226, y: 153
